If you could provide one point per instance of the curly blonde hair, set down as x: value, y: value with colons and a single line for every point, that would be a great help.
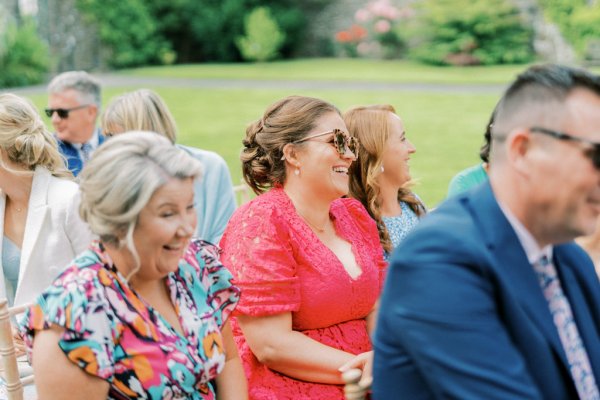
x: 25, y: 139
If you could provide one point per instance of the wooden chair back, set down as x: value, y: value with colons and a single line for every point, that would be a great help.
x: 8, y: 355
x: 242, y: 193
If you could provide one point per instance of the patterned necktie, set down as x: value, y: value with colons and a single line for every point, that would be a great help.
x: 86, y: 149
x: 579, y: 363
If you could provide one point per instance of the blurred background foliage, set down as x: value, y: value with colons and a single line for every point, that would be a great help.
x: 114, y: 34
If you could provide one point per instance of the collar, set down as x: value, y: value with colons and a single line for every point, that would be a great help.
x: 93, y: 142
x: 529, y: 244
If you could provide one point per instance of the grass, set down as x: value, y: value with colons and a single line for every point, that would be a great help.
x: 337, y: 69
x: 446, y: 128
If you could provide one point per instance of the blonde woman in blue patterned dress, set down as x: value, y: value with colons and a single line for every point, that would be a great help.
x: 380, y: 178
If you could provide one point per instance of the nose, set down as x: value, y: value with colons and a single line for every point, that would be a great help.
x: 187, y: 226
x: 411, y: 147
x: 55, y: 118
x: 349, y: 154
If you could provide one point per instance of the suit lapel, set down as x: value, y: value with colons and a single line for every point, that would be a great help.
x: 36, y: 215
x: 510, y: 260
x: 584, y: 298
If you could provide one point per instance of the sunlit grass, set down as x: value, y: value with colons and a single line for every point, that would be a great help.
x: 446, y: 126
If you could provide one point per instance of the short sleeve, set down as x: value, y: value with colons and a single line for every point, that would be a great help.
x: 257, y: 249
x: 368, y: 230
x: 221, y: 296
x: 72, y: 303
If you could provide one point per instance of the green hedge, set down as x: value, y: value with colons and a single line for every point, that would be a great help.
x: 470, y: 32
x: 24, y: 57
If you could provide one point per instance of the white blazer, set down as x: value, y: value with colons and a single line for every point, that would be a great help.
x: 54, y: 234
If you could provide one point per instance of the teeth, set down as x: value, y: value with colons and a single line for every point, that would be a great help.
x: 340, y: 169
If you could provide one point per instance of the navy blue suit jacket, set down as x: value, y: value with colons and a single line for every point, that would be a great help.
x: 462, y: 315
x: 74, y: 161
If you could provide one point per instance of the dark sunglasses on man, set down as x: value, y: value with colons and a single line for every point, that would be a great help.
x: 63, y: 113
x: 594, y: 149
x: 340, y: 140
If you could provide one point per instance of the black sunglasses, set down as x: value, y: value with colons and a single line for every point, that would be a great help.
x: 63, y: 113
x: 593, y: 153
x: 341, y: 141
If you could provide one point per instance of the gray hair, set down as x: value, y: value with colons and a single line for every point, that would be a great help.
x: 83, y: 83
x: 121, y: 177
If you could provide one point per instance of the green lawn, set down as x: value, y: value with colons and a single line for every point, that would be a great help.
x: 338, y: 69
x: 446, y: 128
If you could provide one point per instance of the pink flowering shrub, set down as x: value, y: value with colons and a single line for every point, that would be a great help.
x: 380, y: 22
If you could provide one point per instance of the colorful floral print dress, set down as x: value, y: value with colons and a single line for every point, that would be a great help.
x: 111, y: 333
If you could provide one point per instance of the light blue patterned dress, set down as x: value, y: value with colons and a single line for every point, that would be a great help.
x: 399, y: 226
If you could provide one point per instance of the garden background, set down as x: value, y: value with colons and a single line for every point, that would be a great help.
x: 218, y: 64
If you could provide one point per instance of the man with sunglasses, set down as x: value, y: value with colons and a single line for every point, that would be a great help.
x: 73, y: 106
x: 489, y: 298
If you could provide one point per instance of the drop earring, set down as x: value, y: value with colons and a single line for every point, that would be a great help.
x: 297, y: 172
x: 382, y: 169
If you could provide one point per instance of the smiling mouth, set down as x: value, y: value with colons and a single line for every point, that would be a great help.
x: 341, y: 170
x: 177, y: 247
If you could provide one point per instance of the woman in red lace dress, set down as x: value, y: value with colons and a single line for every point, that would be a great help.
x: 309, y: 262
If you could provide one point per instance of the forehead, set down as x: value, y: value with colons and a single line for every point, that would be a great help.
x: 66, y: 98
x: 328, y: 122
x: 175, y: 190
x: 583, y: 114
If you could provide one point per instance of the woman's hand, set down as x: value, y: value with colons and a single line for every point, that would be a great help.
x: 19, y: 343
x: 364, y: 362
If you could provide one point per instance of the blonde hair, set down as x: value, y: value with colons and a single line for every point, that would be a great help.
x: 141, y: 110
x: 121, y: 177
x: 285, y: 121
x: 371, y: 126
x: 25, y: 139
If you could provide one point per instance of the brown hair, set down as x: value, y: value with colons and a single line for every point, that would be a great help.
x: 285, y: 121
x: 370, y: 125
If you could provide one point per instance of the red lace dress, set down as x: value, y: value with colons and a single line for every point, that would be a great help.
x: 281, y: 266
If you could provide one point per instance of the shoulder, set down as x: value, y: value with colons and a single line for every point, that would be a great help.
x: 209, y: 158
x: 350, y: 206
x: 203, y: 251
x: 59, y: 190
x: 450, y: 228
x: 466, y: 179
x: 81, y: 283
x: 351, y: 212
x: 273, y: 204
x: 269, y: 215
x: 63, y: 195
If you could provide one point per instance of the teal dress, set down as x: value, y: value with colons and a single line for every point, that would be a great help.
x: 466, y: 179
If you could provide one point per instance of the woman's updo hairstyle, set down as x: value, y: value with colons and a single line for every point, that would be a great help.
x: 25, y: 139
x: 121, y: 177
x: 285, y: 121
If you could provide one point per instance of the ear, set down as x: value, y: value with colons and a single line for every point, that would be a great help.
x: 519, y: 147
x: 291, y: 155
x: 93, y: 111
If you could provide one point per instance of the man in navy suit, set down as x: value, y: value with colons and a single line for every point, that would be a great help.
x: 489, y: 298
x: 74, y: 101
